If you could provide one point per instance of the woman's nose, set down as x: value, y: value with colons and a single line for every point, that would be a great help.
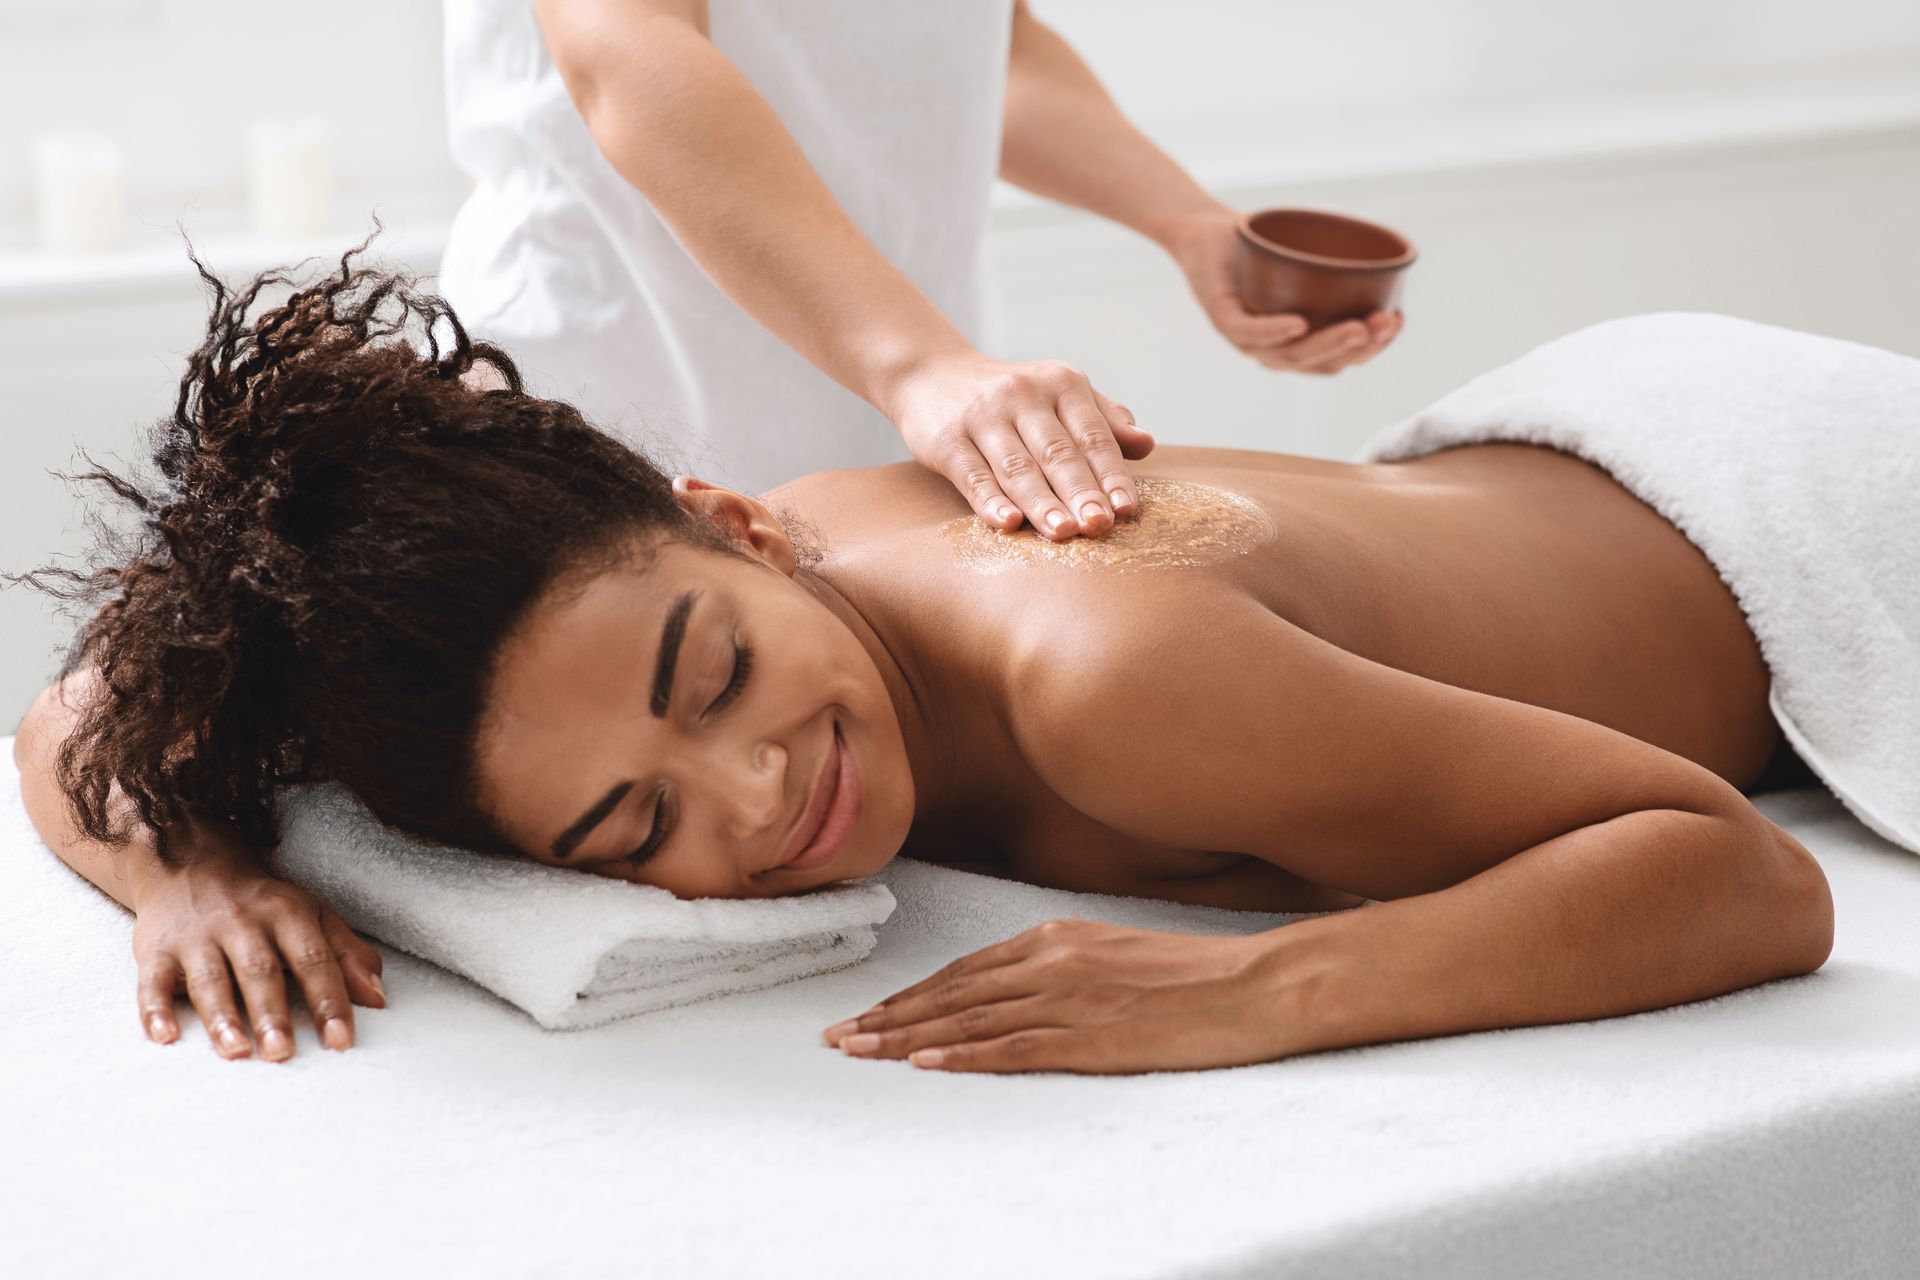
x: 754, y: 791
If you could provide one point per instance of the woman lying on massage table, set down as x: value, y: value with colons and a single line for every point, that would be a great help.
x: 1487, y: 696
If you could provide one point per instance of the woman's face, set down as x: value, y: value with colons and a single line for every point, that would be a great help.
x: 695, y: 722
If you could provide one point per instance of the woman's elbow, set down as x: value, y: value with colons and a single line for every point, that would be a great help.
x: 33, y: 725
x: 54, y: 709
x: 1817, y: 901
x: 1798, y: 908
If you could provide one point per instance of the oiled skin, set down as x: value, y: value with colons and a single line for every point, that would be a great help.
x: 1505, y: 569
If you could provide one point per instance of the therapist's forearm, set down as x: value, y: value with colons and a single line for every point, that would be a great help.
x: 682, y: 124
x: 1067, y: 140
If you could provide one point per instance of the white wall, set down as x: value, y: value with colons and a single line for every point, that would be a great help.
x: 176, y: 81
x: 1228, y: 85
x: 1555, y: 165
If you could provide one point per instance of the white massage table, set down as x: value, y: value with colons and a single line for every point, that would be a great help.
x: 1773, y: 1132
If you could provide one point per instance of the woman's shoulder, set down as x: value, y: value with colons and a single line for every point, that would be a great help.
x: 891, y: 493
x: 1077, y: 641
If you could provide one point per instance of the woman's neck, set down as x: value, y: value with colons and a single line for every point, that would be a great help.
x: 923, y: 707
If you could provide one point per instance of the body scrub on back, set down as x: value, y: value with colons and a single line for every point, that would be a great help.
x: 1179, y: 524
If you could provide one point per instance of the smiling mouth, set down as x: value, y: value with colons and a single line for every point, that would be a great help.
x: 836, y: 799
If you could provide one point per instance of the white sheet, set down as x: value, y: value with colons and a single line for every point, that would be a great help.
x: 1772, y: 1132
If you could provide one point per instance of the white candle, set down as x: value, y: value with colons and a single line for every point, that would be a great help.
x: 79, y: 192
x: 290, y: 176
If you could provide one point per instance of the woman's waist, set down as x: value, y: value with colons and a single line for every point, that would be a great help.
x: 1539, y: 579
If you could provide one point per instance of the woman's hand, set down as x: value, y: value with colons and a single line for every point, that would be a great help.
x: 1203, y: 245
x: 1030, y: 440
x: 218, y: 911
x: 1078, y: 995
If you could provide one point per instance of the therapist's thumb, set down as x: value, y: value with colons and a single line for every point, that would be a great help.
x: 1133, y: 442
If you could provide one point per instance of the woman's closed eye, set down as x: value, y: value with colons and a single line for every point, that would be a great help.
x: 662, y: 824
x: 662, y: 814
x: 742, y: 666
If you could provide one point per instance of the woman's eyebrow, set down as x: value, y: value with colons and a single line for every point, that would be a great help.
x: 671, y: 635
x: 569, y: 839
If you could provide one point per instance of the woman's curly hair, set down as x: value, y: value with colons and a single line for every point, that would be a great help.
x: 345, y: 530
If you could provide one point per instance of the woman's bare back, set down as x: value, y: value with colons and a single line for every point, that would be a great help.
x: 1509, y: 570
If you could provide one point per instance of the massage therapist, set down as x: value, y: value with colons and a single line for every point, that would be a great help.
x: 757, y: 224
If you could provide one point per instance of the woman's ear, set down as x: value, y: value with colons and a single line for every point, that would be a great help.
x: 741, y: 518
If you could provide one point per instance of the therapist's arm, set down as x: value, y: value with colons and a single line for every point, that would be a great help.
x: 1066, y: 139
x: 681, y: 123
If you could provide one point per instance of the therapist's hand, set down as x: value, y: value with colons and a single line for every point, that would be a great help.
x: 1203, y: 245
x: 1028, y: 440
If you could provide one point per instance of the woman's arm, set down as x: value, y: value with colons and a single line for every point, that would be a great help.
x: 214, y: 911
x: 1532, y: 866
x: 120, y: 873
x: 1642, y: 911
x: 686, y: 128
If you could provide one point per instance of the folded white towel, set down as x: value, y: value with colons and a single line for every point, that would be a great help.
x: 570, y: 948
x: 1792, y: 461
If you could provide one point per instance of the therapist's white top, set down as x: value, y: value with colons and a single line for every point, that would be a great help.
x: 897, y: 104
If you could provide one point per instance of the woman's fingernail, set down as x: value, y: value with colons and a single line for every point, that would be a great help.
x: 274, y: 1043
x: 158, y: 1029
x: 1091, y: 511
x: 231, y: 1039
x: 1057, y: 520
x: 865, y: 1042
x: 1121, y: 499
x: 839, y: 1029
x: 1003, y: 512
x: 336, y: 1035
x: 374, y: 978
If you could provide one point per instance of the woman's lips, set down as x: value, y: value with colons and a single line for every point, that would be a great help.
x: 841, y: 813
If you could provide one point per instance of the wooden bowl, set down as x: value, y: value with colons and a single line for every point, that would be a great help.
x: 1324, y: 267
